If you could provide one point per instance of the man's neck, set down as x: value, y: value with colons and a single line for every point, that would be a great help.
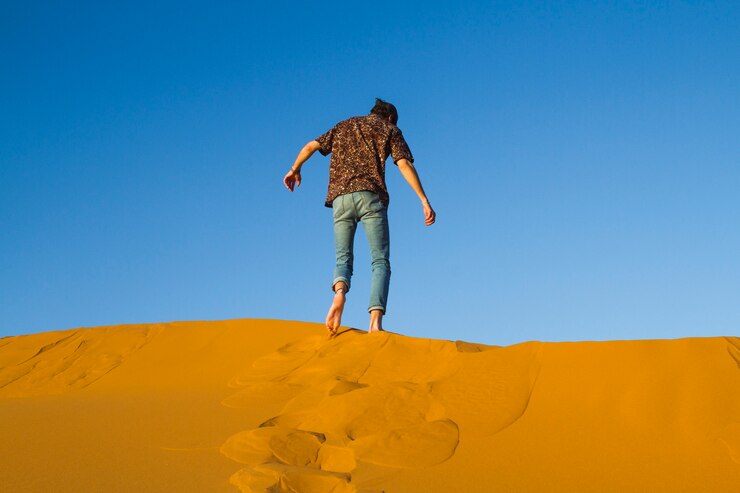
x: 386, y: 120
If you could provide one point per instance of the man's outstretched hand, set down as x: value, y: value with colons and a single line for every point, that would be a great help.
x: 429, y: 215
x: 292, y: 179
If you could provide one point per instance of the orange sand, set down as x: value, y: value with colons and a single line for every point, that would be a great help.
x: 271, y: 406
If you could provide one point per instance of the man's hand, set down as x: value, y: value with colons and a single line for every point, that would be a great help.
x: 429, y: 215
x: 292, y: 179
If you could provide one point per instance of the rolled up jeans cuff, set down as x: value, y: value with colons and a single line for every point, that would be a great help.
x: 342, y: 279
x: 377, y: 307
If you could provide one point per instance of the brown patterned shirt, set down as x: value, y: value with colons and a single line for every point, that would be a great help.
x: 359, y: 147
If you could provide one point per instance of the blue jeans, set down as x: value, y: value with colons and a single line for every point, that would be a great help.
x: 349, y: 209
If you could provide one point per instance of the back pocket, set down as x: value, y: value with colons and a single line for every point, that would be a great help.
x: 336, y: 205
x: 372, y: 202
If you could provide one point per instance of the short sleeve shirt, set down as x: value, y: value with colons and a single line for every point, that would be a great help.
x: 359, y: 147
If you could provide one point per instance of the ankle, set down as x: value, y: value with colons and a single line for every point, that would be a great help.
x: 376, y: 317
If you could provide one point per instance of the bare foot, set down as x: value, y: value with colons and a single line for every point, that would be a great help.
x: 334, y: 317
x: 376, y: 321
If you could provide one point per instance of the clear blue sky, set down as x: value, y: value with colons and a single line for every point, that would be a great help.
x: 583, y: 158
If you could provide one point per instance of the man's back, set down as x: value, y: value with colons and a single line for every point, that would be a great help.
x: 359, y: 147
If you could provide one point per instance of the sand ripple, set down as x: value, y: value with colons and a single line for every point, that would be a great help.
x: 57, y: 362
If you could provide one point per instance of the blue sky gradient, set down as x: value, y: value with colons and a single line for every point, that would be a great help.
x: 583, y: 159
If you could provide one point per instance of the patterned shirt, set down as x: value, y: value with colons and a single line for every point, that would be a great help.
x: 359, y: 147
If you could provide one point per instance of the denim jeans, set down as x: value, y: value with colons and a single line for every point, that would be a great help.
x: 349, y: 209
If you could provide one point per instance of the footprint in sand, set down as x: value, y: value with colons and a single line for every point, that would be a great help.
x: 334, y: 409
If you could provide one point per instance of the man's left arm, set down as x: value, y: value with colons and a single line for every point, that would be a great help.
x: 408, y: 171
x: 405, y: 161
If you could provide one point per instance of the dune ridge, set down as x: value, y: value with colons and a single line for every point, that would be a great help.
x: 272, y: 406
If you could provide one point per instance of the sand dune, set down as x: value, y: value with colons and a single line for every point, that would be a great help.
x: 271, y: 406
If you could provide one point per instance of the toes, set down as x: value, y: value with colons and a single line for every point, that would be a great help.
x: 331, y: 329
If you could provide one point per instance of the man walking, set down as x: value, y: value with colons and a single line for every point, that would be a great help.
x: 359, y: 147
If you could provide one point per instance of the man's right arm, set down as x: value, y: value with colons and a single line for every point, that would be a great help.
x: 412, y: 177
x: 293, y: 177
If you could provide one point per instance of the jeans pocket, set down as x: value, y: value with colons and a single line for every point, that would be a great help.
x: 373, y: 203
x: 336, y: 206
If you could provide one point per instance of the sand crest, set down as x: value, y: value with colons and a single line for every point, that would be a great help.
x: 270, y: 406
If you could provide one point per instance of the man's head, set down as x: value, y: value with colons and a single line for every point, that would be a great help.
x: 385, y: 110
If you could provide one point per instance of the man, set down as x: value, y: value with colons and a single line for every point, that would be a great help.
x: 359, y: 147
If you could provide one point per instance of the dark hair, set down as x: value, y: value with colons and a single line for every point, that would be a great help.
x: 385, y: 109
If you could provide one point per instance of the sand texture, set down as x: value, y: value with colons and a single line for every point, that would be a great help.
x: 271, y: 406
